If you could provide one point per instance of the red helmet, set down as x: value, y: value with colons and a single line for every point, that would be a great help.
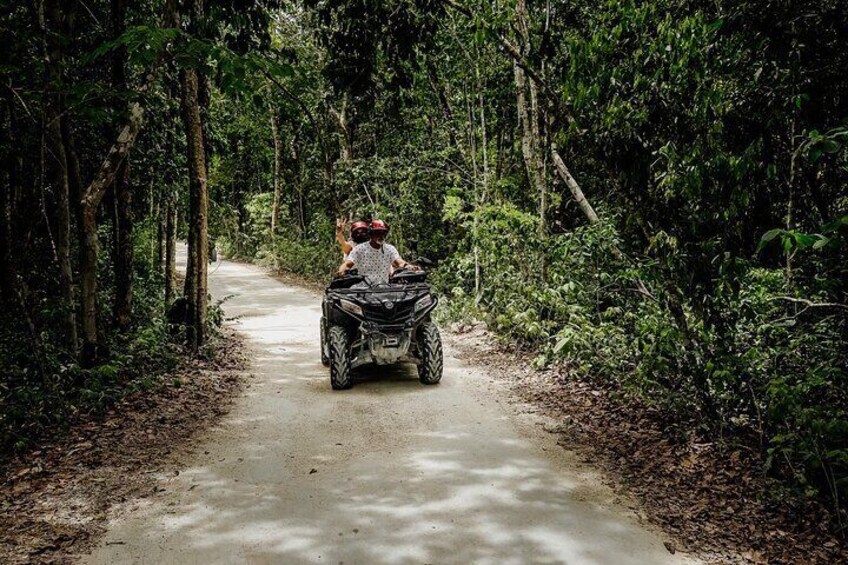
x: 379, y: 226
x: 359, y: 231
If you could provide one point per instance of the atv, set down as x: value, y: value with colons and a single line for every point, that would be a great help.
x: 381, y: 323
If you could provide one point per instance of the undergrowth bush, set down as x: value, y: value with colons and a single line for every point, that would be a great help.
x: 777, y: 380
x: 43, y: 397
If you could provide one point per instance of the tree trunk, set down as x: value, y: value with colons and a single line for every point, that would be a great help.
x: 576, y: 192
x: 524, y: 121
x: 447, y: 113
x: 196, y: 290
x: 89, y: 245
x: 170, y: 251
x: 5, y: 205
x: 538, y: 160
x: 345, y: 130
x: 161, y: 215
x: 50, y: 19
x: 298, y: 175
x: 278, y: 154
x: 529, y: 117
x: 89, y: 249
x: 484, y: 141
x: 122, y: 306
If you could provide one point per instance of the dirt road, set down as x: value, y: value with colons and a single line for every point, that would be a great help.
x: 388, y: 472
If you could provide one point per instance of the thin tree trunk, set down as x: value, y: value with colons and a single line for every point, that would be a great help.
x: 6, y: 202
x: 447, y: 112
x: 345, y: 132
x: 298, y: 175
x: 122, y: 306
x: 278, y: 154
x: 484, y: 142
x: 170, y: 251
x: 575, y: 189
x: 196, y: 289
x: 472, y: 141
x: 89, y: 248
x: 790, y: 203
x: 157, y: 250
x: 528, y: 115
x: 89, y: 244
x: 50, y: 18
x: 538, y: 160
x: 524, y: 122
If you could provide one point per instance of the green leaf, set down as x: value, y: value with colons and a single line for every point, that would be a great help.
x: 803, y: 240
x: 767, y: 237
x: 560, y: 344
x: 716, y: 25
x: 830, y: 146
x: 821, y: 243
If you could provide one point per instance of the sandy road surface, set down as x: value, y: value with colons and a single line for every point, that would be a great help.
x: 388, y: 472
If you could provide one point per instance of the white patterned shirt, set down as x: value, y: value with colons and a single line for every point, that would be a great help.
x: 375, y: 264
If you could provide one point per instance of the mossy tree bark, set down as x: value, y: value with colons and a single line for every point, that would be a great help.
x: 198, y: 251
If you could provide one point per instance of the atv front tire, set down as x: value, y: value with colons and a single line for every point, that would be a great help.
x: 430, y: 347
x: 339, y: 342
x: 325, y: 358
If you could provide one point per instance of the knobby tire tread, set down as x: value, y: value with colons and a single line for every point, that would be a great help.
x: 340, y: 373
x: 325, y: 359
x: 430, y: 342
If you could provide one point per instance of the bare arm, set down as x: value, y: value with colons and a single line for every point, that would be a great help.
x: 346, y: 247
x: 399, y: 263
x: 340, y: 224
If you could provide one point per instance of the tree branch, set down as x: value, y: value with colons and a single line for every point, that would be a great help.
x: 512, y: 51
x: 810, y: 303
x: 575, y: 189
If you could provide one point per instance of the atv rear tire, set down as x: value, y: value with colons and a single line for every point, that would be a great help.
x: 325, y: 357
x: 430, y: 347
x: 339, y: 342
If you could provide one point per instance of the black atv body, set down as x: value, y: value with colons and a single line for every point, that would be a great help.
x: 380, y: 323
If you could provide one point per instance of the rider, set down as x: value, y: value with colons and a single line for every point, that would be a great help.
x: 375, y: 258
x: 358, y: 233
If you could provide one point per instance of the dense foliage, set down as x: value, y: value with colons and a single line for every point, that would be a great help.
x: 709, y: 138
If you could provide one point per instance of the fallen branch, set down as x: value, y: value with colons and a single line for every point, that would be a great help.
x: 575, y: 189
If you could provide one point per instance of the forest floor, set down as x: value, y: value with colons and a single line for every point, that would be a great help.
x: 54, y: 500
x: 710, y: 498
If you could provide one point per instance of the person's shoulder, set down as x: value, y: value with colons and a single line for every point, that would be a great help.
x: 391, y: 249
x: 358, y: 248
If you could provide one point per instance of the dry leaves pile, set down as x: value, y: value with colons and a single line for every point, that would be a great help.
x: 54, y: 501
x: 709, y: 498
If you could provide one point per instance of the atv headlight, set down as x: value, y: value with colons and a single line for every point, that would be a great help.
x: 423, y: 303
x: 350, y: 307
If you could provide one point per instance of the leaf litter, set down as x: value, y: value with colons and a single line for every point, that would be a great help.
x: 710, y: 498
x: 56, y: 499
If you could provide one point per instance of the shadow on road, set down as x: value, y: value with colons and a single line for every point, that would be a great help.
x: 391, y: 471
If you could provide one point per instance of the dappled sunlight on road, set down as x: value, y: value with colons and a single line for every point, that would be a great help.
x: 388, y: 472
